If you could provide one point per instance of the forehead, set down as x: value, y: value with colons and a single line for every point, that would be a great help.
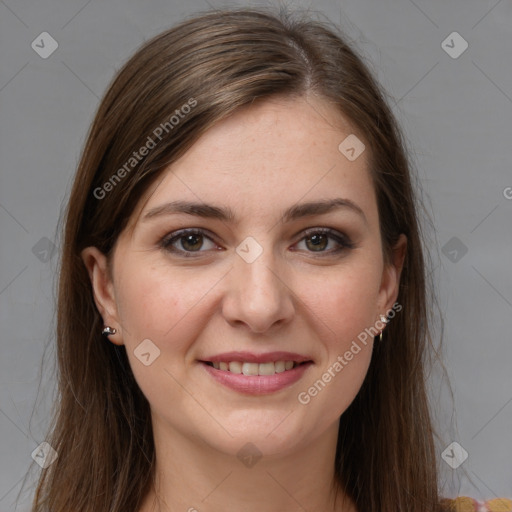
x: 265, y: 156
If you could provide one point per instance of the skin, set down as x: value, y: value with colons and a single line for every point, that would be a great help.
x: 260, y: 161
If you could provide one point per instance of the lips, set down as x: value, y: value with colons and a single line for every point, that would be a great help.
x: 251, y: 373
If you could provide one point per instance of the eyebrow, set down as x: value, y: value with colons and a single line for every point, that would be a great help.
x: 295, y: 212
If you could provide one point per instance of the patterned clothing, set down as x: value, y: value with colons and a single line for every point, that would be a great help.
x: 466, y: 504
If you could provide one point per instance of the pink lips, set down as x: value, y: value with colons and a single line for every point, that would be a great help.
x: 257, y: 384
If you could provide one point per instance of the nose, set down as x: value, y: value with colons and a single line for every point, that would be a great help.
x: 258, y: 295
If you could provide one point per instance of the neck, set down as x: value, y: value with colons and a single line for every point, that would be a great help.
x: 192, y: 477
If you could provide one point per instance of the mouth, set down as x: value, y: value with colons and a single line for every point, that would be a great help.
x: 256, y: 374
x: 256, y: 378
x: 254, y: 369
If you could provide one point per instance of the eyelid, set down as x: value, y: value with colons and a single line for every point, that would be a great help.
x: 340, y: 238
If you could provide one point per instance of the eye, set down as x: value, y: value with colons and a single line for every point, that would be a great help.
x: 187, y: 241
x: 318, y: 240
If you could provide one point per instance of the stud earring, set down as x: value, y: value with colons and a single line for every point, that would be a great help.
x: 107, y: 331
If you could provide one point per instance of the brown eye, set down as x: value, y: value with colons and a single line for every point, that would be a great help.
x: 191, y: 242
x: 326, y: 241
x: 318, y: 242
x: 187, y: 241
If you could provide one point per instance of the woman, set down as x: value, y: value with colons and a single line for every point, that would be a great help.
x: 242, y: 315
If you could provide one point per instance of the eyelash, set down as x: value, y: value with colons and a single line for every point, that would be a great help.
x: 343, y: 241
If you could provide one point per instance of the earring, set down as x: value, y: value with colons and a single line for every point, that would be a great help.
x: 107, y: 331
x: 384, y: 320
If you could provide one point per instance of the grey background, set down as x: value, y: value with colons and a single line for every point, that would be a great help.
x: 456, y: 115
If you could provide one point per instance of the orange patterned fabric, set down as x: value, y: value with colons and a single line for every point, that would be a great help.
x: 465, y: 504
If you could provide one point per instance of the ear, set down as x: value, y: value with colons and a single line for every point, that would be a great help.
x: 103, y: 290
x: 390, y: 283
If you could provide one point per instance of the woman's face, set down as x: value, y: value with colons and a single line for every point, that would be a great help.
x: 268, y: 275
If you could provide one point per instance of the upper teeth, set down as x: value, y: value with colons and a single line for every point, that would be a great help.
x: 255, y: 368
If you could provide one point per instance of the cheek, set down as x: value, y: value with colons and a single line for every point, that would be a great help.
x: 157, y: 303
x: 170, y: 309
x: 344, y: 302
x: 342, y: 307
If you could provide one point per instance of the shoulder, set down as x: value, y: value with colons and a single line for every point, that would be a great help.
x: 466, y: 504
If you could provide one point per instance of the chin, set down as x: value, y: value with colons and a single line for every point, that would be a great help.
x: 264, y: 437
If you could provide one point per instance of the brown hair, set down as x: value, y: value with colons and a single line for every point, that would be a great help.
x: 217, y: 63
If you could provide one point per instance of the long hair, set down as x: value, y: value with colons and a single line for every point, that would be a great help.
x: 214, y: 64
